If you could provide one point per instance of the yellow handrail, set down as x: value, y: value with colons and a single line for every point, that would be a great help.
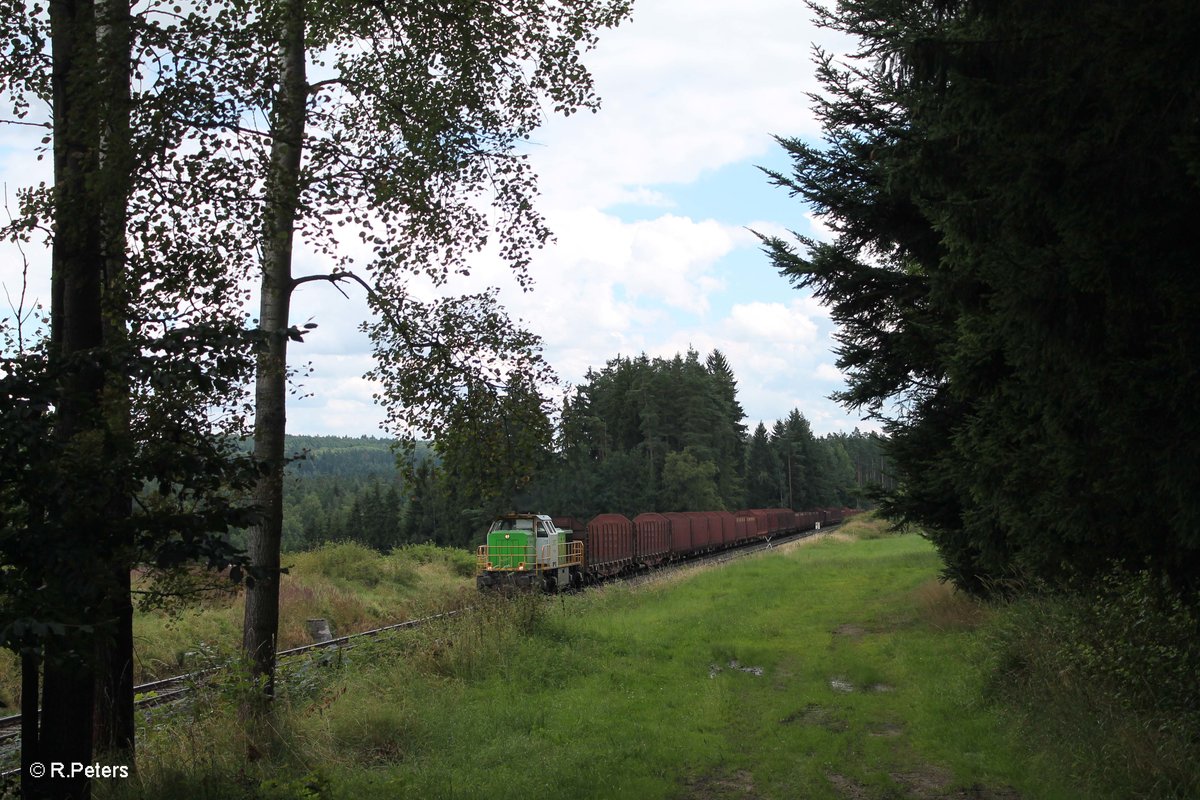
x: 518, y: 558
x: 570, y: 554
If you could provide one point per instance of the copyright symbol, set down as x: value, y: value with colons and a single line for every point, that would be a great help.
x: 37, y: 769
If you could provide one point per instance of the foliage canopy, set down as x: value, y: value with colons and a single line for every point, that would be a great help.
x: 1013, y: 188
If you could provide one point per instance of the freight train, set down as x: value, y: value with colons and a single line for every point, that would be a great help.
x: 538, y: 551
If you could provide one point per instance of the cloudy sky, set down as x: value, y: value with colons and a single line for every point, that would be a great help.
x: 652, y: 201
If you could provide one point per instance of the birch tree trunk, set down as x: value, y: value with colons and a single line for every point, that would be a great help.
x: 261, y: 625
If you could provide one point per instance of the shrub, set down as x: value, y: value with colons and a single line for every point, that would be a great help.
x: 373, y: 733
x: 350, y: 561
x: 867, y: 526
x: 1108, y: 674
x: 1142, y: 642
x: 459, y: 562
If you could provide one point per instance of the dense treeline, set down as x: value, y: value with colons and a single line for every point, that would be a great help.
x: 646, y: 434
x: 1014, y: 190
x: 639, y: 435
x: 343, y: 489
x: 668, y: 435
x: 344, y: 457
x: 318, y: 510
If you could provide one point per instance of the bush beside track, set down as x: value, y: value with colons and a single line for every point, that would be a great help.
x: 354, y: 587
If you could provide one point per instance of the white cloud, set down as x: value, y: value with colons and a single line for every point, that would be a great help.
x: 607, y: 282
x: 820, y: 229
x: 773, y: 324
x: 828, y: 372
x: 336, y: 399
x: 689, y: 87
x: 769, y: 228
x: 774, y: 349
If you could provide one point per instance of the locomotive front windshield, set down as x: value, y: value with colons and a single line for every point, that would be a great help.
x: 512, y: 525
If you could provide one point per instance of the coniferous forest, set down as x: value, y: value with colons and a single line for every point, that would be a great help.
x: 640, y: 434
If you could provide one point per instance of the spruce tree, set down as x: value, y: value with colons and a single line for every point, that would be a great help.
x: 1013, y: 188
x: 762, y: 471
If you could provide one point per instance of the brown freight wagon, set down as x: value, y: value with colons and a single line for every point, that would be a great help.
x: 573, y: 524
x: 702, y: 534
x: 609, y: 545
x: 807, y: 520
x: 652, y: 538
x: 745, y: 525
x: 681, y: 533
x: 764, y: 522
x: 722, y: 521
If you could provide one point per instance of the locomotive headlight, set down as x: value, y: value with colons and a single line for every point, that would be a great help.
x: 508, y: 536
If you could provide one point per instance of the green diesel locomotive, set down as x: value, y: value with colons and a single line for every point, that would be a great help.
x: 529, y: 551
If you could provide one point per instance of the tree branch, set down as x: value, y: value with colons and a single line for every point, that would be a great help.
x: 43, y: 125
x: 317, y: 86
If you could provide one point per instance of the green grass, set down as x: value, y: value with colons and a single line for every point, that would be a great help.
x: 633, y: 693
x: 1106, y: 677
x: 352, y: 586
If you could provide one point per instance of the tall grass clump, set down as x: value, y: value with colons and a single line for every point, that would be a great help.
x: 10, y: 683
x: 382, y: 702
x: 1109, y: 677
x: 458, y: 562
x: 202, y: 749
x: 353, y: 562
x: 867, y: 526
x: 351, y: 586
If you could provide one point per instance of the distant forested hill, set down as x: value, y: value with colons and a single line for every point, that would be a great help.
x: 344, y: 488
x: 345, y: 456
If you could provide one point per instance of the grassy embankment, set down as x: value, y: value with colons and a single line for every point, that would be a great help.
x: 830, y: 669
x: 352, y: 586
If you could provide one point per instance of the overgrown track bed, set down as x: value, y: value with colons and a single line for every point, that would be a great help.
x: 172, y: 690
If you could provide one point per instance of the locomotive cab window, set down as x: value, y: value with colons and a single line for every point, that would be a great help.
x: 512, y: 525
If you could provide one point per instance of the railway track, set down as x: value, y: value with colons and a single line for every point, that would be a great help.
x: 172, y: 690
